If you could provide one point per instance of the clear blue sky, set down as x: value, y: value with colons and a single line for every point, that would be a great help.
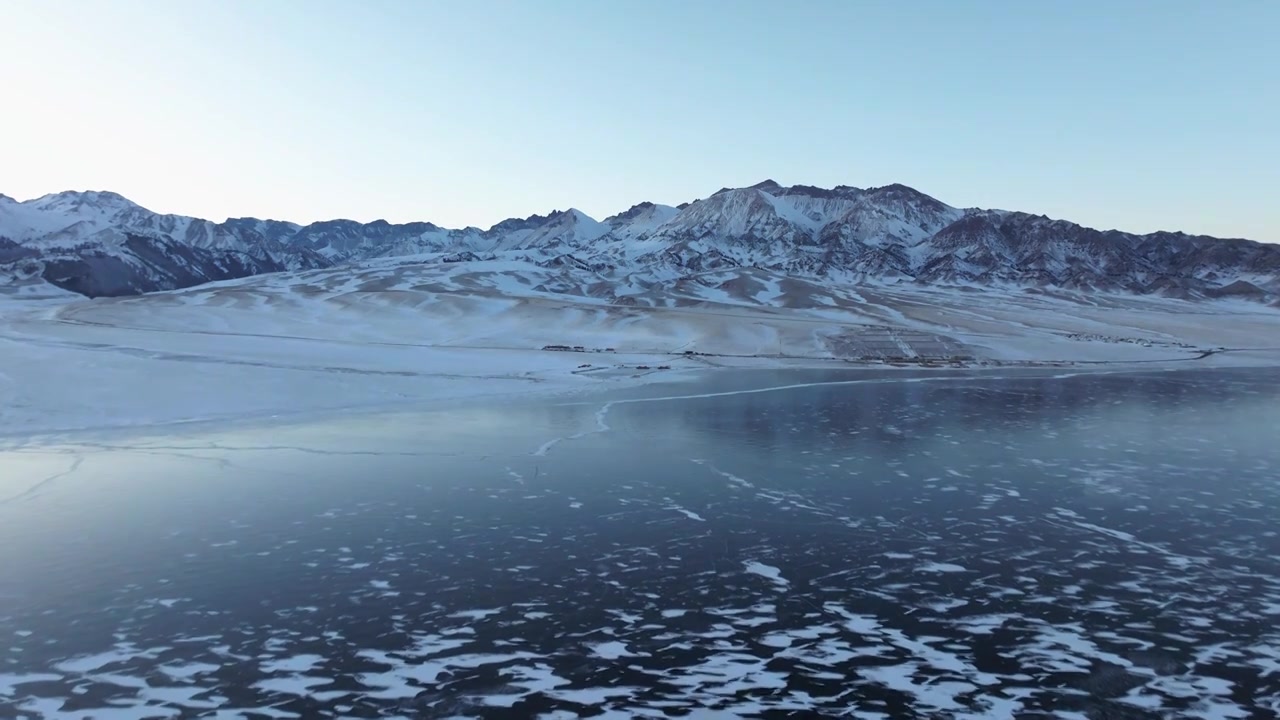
x: 1139, y: 114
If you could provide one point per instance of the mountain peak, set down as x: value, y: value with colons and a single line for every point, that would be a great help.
x: 774, y: 188
x: 512, y: 224
x: 632, y: 212
x: 895, y: 189
x: 639, y: 219
x: 897, y: 192
x: 95, y: 196
x: 82, y: 200
x: 764, y: 186
x: 839, y: 191
x: 572, y: 215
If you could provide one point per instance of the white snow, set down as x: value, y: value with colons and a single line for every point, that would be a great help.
x: 940, y: 567
x: 643, y: 222
x: 733, y: 479
x: 770, y: 572
x: 401, y: 333
x: 689, y: 514
x: 187, y: 671
x: 479, y: 614
x: 612, y: 650
x: 56, y: 212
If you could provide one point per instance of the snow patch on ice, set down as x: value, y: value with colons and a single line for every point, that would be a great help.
x: 769, y: 572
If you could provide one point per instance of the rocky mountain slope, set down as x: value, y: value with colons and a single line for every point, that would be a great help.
x: 99, y: 243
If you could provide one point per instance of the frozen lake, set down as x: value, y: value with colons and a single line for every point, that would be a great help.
x: 878, y: 545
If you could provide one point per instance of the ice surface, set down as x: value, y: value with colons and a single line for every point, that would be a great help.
x: 296, y: 664
x: 9, y: 682
x: 797, y: 593
x: 689, y: 514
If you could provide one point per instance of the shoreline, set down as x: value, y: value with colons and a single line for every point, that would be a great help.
x: 623, y: 380
x: 268, y: 351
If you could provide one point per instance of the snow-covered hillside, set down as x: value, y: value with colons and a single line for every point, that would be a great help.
x: 410, y: 331
x: 99, y: 243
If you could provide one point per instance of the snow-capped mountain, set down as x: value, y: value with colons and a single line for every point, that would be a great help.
x: 99, y: 243
x: 639, y: 220
x: 563, y: 230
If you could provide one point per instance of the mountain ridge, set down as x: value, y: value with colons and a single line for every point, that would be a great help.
x: 101, y: 243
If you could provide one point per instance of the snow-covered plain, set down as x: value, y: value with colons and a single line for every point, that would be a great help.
x: 416, y: 332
